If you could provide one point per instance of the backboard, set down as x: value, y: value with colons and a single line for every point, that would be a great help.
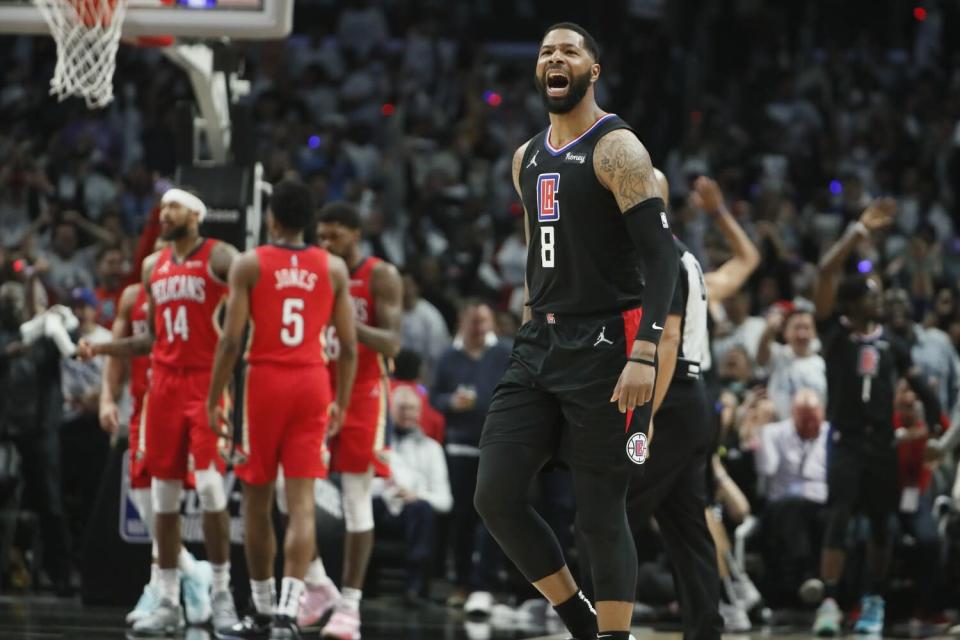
x: 236, y: 19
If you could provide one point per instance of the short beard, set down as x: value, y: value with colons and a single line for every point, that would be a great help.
x: 576, y: 90
x: 176, y: 233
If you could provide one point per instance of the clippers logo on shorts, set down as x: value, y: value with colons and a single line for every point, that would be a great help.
x: 868, y: 360
x: 548, y: 185
x: 637, y: 448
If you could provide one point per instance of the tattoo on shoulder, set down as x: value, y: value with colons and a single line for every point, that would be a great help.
x: 624, y: 166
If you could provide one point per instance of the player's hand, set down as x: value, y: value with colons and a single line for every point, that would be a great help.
x: 334, y: 419
x: 879, y: 214
x: 219, y: 422
x: 85, y: 350
x: 635, y: 386
x: 707, y: 195
x: 109, y: 416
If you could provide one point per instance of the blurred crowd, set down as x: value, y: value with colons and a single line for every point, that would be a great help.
x: 803, y: 112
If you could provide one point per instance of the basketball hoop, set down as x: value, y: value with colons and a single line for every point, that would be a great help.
x: 87, y: 33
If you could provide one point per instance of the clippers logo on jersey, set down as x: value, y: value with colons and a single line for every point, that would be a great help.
x: 868, y: 360
x: 179, y: 287
x: 637, y: 448
x: 548, y: 186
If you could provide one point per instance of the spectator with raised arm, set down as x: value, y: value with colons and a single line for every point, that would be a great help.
x: 864, y: 362
x: 730, y: 276
x: 794, y: 365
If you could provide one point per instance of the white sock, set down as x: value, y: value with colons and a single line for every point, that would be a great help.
x: 264, y: 592
x: 221, y: 577
x: 169, y: 585
x: 186, y: 562
x: 290, y: 593
x: 351, y: 598
x: 154, y: 576
x: 316, y: 573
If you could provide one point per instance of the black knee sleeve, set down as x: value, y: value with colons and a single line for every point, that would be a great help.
x: 502, y: 500
x: 602, y: 520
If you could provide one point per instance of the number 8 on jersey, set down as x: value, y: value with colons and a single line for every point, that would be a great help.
x: 548, y: 210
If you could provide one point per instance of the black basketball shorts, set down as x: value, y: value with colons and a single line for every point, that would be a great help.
x: 555, y: 395
x: 862, y: 471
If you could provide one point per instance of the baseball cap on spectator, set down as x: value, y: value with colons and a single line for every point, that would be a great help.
x: 82, y: 296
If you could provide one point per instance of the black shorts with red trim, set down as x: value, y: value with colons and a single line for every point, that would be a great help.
x: 555, y: 395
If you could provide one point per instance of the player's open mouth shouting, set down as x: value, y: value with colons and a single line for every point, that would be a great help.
x: 557, y: 83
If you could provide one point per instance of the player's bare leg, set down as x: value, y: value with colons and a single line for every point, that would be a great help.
x: 320, y: 593
x: 298, y: 549
x: 216, y: 536
x: 167, y: 617
x: 358, y: 546
x: 300, y: 543
x: 260, y: 544
x: 558, y: 587
x: 260, y: 548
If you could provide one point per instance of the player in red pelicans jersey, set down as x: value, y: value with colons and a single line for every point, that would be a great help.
x: 186, y: 287
x: 357, y: 450
x: 131, y: 319
x: 289, y: 292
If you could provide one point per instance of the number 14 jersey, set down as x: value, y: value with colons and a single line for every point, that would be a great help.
x: 187, y: 300
x: 290, y: 305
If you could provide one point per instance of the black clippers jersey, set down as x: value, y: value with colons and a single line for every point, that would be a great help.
x: 862, y: 372
x: 581, y: 259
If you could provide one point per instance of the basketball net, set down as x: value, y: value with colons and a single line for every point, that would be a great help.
x: 87, y: 33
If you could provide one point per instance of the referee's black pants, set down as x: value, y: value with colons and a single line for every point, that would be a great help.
x: 671, y: 487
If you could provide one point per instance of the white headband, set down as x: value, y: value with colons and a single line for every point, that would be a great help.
x: 186, y: 200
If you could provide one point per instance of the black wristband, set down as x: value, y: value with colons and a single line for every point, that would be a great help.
x: 642, y: 361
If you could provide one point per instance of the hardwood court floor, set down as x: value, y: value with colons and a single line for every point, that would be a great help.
x: 48, y: 618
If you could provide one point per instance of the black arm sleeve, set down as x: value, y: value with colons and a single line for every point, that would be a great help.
x: 659, y: 263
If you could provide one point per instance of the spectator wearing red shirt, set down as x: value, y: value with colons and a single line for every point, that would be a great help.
x: 916, y: 498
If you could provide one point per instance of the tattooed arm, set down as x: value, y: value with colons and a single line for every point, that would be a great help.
x: 623, y: 166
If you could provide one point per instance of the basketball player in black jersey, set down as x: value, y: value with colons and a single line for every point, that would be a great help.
x: 864, y: 363
x: 583, y: 367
